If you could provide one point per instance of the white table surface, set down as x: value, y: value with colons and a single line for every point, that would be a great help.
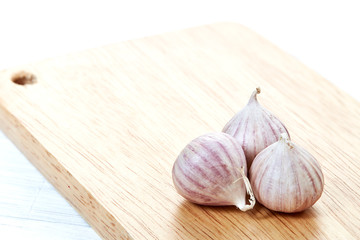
x: 324, y: 35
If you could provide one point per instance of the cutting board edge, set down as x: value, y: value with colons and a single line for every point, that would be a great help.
x: 37, y: 153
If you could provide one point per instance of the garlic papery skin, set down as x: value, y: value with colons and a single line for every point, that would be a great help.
x: 211, y: 170
x: 254, y: 127
x: 285, y: 177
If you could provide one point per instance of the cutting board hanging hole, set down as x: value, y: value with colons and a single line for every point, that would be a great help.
x: 23, y: 78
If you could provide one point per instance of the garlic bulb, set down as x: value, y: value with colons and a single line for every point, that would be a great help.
x: 255, y: 128
x: 285, y: 177
x: 211, y: 170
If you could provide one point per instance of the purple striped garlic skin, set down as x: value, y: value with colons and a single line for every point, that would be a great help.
x: 255, y: 128
x: 211, y: 170
x: 286, y: 178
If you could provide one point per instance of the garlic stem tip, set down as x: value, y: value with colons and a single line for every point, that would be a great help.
x: 253, y: 95
x: 284, y: 136
x: 245, y: 208
x: 252, y: 201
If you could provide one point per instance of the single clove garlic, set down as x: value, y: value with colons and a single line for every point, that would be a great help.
x: 211, y: 170
x: 285, y: 177
x: 255, y: 128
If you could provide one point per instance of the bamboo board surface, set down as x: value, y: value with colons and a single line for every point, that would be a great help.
x: 105, y: 125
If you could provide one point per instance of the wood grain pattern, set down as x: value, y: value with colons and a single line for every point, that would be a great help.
x: 105, y: 126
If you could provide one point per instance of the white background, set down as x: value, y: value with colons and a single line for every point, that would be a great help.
x: 325, y: 35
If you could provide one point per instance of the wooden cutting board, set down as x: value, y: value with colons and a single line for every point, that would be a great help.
x: 105, y: 126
